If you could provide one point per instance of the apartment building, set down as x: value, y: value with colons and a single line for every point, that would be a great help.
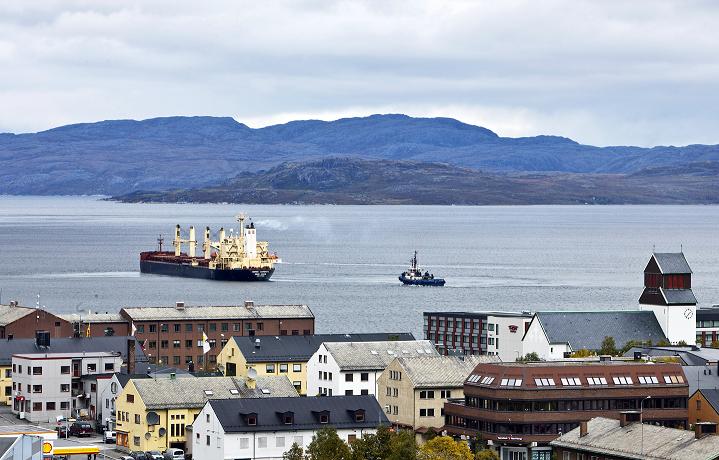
x: 412, y: 391
x: 174, y: 335
x: 265, y: 429
x: 477, y: 333
x: 707, y: 326
x: 520, y: 407
x: 285, y: 355
x: 352, y: 368
x: 47, y: 385
x: 153, y: 414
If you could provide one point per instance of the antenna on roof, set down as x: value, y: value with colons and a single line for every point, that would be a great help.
x: 681, y: 248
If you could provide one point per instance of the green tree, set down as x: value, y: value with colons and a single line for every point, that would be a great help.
x: 326, y: 445
x: 715, y: 344
x: 529, y: 357
x: 582, y: 353
x: 373, y: 446
x: 682, y: 343
x: 295, y: 453
x: 403, y: 446
x: 487, y: 454
x: 609, y: 347
x: 445, y: 448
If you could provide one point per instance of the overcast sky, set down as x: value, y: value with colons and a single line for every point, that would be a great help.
x: 600, y: 72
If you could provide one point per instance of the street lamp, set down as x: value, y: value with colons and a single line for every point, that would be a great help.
x: 641, y: 419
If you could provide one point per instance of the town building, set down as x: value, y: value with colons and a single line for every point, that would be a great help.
x: 18, y: 322
x: 412, y: 391
x: 520, y: 407
x: 47, y: 385
x: 153, y: 414
x: 704, y: 406
x: 352, y: 368
x: 700, y: 365
x: 174, y: 335
x: 477, y: 333
x: 668, y: 294
x: 707, y: 329
x: 286, y: 355
x: 603, y: 438
x: 265, y: 429
x: 97, y: 324
x: 556, y: 334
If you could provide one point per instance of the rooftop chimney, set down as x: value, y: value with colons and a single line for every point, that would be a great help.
x: 13, y: 303
x: 130, y: 356
x: 251, y: 383
x: 583, y: 429
x: 249, y: 304
x: 702, y: 429
x: 179, y: 305
x: 628, y: 417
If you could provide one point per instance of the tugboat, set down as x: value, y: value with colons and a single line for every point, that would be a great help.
x: 415, y: 276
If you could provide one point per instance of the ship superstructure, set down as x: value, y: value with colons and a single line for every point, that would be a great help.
x: 415, y: 276
x: 232, y: 257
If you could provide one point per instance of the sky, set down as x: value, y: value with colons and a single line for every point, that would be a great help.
x: 600, y: 72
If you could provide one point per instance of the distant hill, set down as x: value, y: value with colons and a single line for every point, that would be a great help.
x: 359, y: 181
x: 117, y: 157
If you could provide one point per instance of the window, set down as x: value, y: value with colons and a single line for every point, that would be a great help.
x: 152, y: 344
x: 349, y: 377
x: 445, y: 394
x: 136, y: 440
x: 260, y: 326
x: 110, y: 367
x: 130, y: 398
x: 295, y: 332
x: 596, y: 380
x: 252, y: 420
x: 141, y: 328
x: 212, y: 343
x: 287, y: 418
x: 699, y: 404
x: 365, y: 392
x: 544, y: 382
x: 164, y: 343
x: 350, y: 392
x: 188, y: 343
x: 426, y: 412
x: 571, y: 381
x: 270, y: 368
x: 283, y: 368
x: 244, y: 443
x: 164, y: 328
x: 207, y: 439
x: 297, y: 368
x: 359, y: 416
x: 426, y: 394
x: 248, y: 326
x: 153, y: 327
x: 37, y: 370
x: 50, y: 405
x: 298, y: 385
x: 188, y: 327
x: 65, y: 387
x: 279, y: 441
x: 64, y: 405
x: 137, y: 419
x: 298, y: 440
x: 176, y: 360
x: 175, y: 344
x: 37, y: 389
x: 364, y: 376
x: 673, y: 379
x: 236, y: 327
x: 177, y: 327
x: 622, y: 380
x: 200, y: 328
x: 324, y: 418
x: 93, y: 388
x: 213, y: 326
x: 509, y: 382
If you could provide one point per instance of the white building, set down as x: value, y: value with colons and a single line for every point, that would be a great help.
x: 266, y: 428
x: 352, y: 368
x: 47, y: 385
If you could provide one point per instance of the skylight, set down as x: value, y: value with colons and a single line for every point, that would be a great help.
x: 487, y: 380
x: 596, y: 380
x: 648, y: 380
x: 544, y: 382
x: 374, y: 352
x: 474, y: 378
x: 622, y: 380
x: 511, y: 382
x: 265, y: 391
x: 234, y: 391
x: 571, y: 381
x: 673, y: 379
x: 208, y: 393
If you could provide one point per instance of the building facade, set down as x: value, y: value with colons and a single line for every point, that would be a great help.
x: 520, y: 407
x: 174, y: 335
x: 477, y: 333
x: 18, y: 322
x: 266, y: 429
x: 707, y: 329
x: 353, y: 368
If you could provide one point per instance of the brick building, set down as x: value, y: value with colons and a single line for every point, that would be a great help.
x: 521, y: 407
x: 18, y: 322
x: 174, y: 335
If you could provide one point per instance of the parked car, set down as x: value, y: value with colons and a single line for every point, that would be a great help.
x: 174, y: 454
x: 109, y: 436
x: 81, y: 429
x: 154, y: 455
x: 139, y: 456
x: 126, y: 457
x: 62, y: 431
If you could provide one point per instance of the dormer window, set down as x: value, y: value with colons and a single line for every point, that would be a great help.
x: 359, y: 416
x: 324, y: 418
x: 288, y: 418
x: 252, y: 420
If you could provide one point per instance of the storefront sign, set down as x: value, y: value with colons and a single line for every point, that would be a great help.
x: 513, y: 328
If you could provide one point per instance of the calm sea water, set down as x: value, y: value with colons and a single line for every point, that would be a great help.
x: 343, y: 261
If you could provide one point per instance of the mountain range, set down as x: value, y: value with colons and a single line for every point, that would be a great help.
x: 179, y: 153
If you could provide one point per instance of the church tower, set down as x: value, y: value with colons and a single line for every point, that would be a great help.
x: 668, y: 293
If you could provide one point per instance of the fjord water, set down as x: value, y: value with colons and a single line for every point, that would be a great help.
x: 81, y: 253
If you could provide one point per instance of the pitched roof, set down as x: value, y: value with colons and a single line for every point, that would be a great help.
x: 441, y: 371
x: 376, y: 355
x: 195, y: 392
x: 678, y: 296
x: 218, y: 312
x: 605, y: 436
x: 623, y: 325
x: 306, y: 412
x: 92, y: 317
x: 672, y: 263
x: 301, y: 347
x: 9, y: 314
x: 118, y: 343
x: 712, y: 397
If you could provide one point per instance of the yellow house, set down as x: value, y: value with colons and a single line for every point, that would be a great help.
x: 6, y: 385
x: 153, y: 414
x: 285, y: 355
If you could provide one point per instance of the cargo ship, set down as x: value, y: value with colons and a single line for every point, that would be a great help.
x: 237, y: 257
x: 414, y: 275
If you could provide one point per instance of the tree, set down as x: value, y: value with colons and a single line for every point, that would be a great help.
x: 582, y: 353
x: 445, y: 448
x: 682, y: 343
x: 609, y: 347
x: 487, y: 454
x: 373, y: 446
x: 715, y: 344
x: 326, y: 445
x: 403, y: 446
x: 529, y: 357
x: 663, y: 343
x: 295, y: 453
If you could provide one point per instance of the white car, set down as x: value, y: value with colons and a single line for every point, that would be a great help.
x: 109, y: 436
x: 174, y: 454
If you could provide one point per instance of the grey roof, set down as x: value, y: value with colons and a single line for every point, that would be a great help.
x: 218, y: 312
x: 672, y: 263
x: 306, y: 413
x: 301, y: 347
x: 8, y: 348
x: 376, y: 355
x: 190, y: 392
x: 92, y: 317
x: 712, y: 397
x: 678, y: 296
x: 587, y: 329
x: 605, y: 436
x: 441, y: 371
x: 10, y: 314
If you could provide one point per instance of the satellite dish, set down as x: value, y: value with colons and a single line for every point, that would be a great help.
x: 153, y: 418
x: 251, y: 373
x: 162, y: 432
x: 148, y: 435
